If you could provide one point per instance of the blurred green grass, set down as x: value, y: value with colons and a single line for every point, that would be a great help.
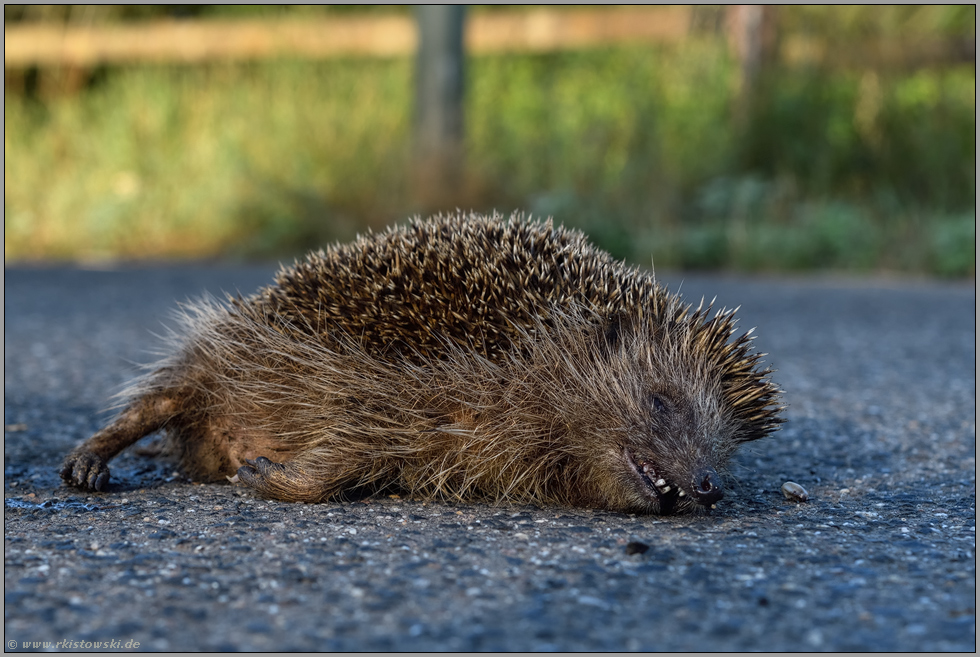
x: 850, y: 170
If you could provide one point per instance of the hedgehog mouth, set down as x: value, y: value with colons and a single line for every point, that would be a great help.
x: 652, y: 484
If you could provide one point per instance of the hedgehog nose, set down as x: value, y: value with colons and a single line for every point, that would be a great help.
x: 707, y: 486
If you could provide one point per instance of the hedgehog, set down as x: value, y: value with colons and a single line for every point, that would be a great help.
x: 464, y: 357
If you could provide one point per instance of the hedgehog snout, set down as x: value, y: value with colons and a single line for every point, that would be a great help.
x: 706, y: 486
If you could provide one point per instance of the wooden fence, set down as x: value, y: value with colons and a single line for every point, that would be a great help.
x: 382, y: 36
x: 535, y: 30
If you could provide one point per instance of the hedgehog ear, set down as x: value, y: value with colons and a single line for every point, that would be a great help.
x: 613, y: 331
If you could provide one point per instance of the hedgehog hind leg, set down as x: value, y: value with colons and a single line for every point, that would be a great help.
x: 86, y: 466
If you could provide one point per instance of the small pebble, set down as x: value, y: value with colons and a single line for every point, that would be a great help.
x: 635, y: 547
x: 793, y: 491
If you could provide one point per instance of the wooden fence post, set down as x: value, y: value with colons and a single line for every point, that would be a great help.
x: 754, y: 38
x: 439, y: 101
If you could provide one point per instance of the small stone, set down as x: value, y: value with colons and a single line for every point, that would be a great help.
x: 635, y: 547
x: 793, y: 491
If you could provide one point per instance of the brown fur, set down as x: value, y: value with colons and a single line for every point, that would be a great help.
x: 463, y: 357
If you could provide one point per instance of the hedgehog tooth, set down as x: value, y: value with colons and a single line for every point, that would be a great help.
x: 660, y: 483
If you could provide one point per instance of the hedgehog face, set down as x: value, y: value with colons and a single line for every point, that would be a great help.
x: 670, y: 460
x: 672, y: 424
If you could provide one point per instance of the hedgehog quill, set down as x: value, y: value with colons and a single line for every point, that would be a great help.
x: 462, y: 357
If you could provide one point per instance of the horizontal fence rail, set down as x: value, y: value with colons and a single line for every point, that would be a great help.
x: 388, y: 36
x: 538, y: 30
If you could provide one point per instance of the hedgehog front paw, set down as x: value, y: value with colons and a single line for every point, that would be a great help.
x: 262, y: 474
x: 85, y: 470
x: 282, y: 481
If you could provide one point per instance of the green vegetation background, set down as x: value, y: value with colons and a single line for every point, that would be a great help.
x: 846, y: 168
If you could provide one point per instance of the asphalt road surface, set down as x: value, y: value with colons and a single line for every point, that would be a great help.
x: 881, y: 384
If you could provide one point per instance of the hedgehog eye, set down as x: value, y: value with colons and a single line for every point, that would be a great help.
x: 658, y: 404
